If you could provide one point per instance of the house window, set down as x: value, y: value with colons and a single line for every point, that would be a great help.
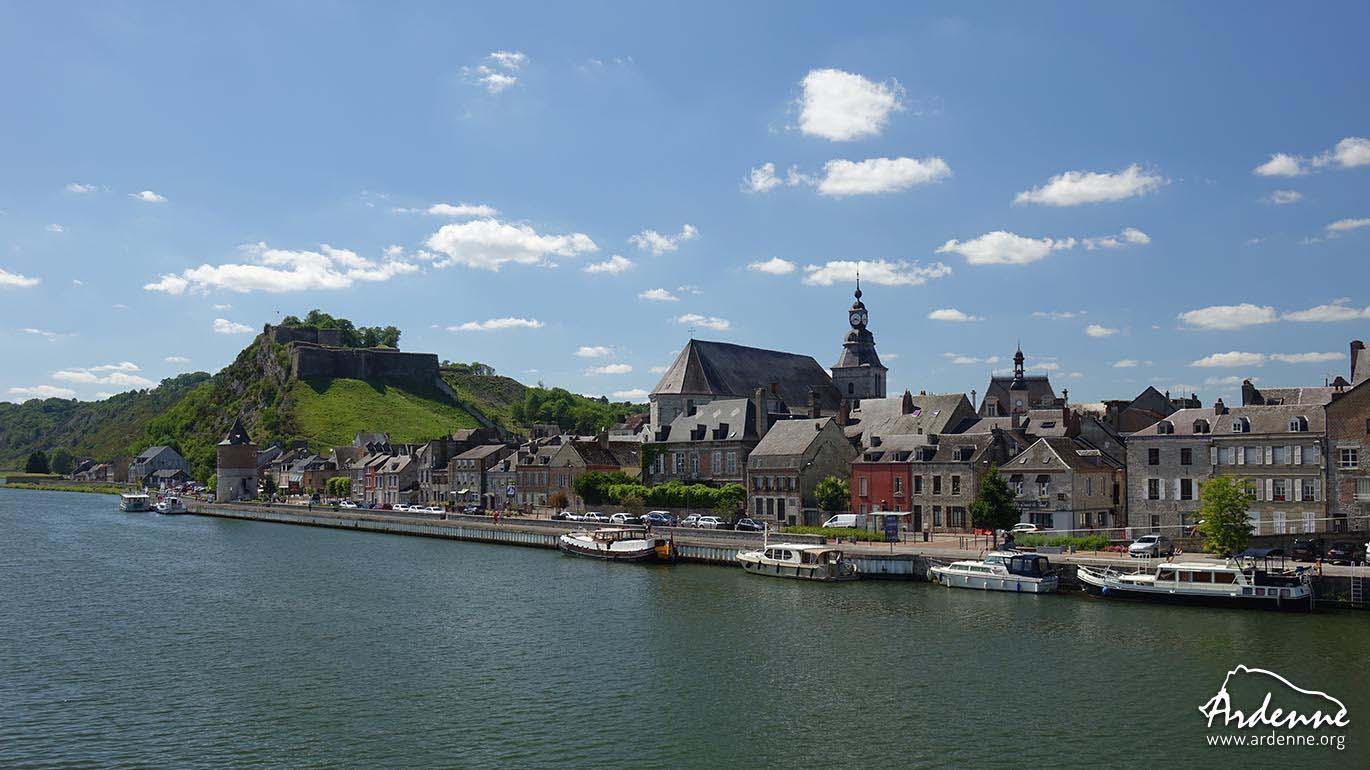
x: 718, y: 462
x: 918, y: 485
x: 1281, y: 494
x: 1165, y: 427
x: 1153, y: 489
x: 1298, y: 424
x: 1186, y: 489
x: 679, y: 458
x: 937, y: 516
x: 956, y: 485
x: 1043, y: 486
x: 1153, y: 456
x: 1201, y: 426
x: 1186, y: 456
x: 1018, y: 488
x: 1089, y: 485
x: 1306, y: 487
x: 898, y: 485
x: 694, y: 463
x: 937, y: 485
x: 1278, y: 455
x: 1241, y: 425
x: 861, y: 485
x: 1225, y: 456
x: 1348, y: 458
x: 1253, y: 455
x: 732, y: 462
x: 1363, y: 489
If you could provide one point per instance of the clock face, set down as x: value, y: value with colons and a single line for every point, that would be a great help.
x: 858, y: 318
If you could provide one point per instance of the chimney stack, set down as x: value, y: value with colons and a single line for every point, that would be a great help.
x: 906, y: 403
x: 844, y: 413
x: 1218, y: 407
x: 759, y: 404
x: 1356, y: 347
x: 815, y: 411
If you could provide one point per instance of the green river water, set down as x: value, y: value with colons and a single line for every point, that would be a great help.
x: 139, y: 640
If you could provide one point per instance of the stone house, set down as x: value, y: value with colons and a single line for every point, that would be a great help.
x: 467, y: 470
x: 373, y: 489
x: 1166, y: 464
x: 397, y: 480
x: 1281, y: 451
x: 501, y: 482
x: 535, y: 470
x: 786, y: 465
x: 153, y: 459
x: 1348, y: 461
x: 310, y: 475
x: 1067, y: 485
x: 1005, y: 395
x: 906, y: 414
x: 580, y: 456
x: 710, y: 444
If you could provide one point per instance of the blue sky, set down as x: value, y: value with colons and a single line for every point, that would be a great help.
x: 1129, y: 192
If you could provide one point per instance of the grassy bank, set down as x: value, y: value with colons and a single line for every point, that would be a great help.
x: 1080, y: 543
x: 96, y: 489
x: 832, y: 533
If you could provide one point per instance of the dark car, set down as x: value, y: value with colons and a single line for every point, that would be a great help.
x: 1307, y: 549
x: 659, y: 519
x: 749, y: 525
x: 1345, y: 553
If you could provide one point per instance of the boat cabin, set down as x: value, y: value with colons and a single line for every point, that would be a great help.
x: 614, y: 535
x: 802, y: 554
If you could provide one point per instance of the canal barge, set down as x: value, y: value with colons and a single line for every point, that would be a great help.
x: 1000, y: 571
x: 170, y: 506
x: 134, y: 502
x: 614, y: 544
x: 799, y: 561
x: 1237, y: 583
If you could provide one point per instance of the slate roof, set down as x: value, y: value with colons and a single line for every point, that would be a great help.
x: 722, y: 369
x: 789, y: 438
x: 237, y: 435
x: 371, y: 437
x: 1264, y: 419
x: 479, y: 452
x: 728, y: 419
x: 151, y: 452
x: 1300, y: 396
x: 1055, y: 454
x: 168, y: 473
x: 623, y: 454
x: 899, y: 448
x: 396, y: 464
x: 1039, y: 391
x: 345, y: 456
x: 885, y: 416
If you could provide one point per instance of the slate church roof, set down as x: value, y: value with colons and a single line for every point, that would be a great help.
x: 722, y: 369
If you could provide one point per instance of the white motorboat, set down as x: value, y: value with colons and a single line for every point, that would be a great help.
x: 1027, y: 573
x: 800, y: 561
x: 1237, y: 583
x: 171, y: 505
x: 134, y: 502
x: 615, y: 544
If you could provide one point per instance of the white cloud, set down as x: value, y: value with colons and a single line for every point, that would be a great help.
x: 1046, y: 366
x: 610, y: 369
x: 953, y: 315
x: 120, y: 374
x: 1074, y: 188
x: 14, y: 279
x: 706, y: 321
x: 223, y: 306
x: 613, y: 265
x: 54, y: 228
x: 879, y: 175
x: 1347, y: 225
x: 1281, y: 164
x: 1126, y: 363
x: 1004, y: 248
x: 1130, y: 236
x: 594, y: 351
x: 658, y: 244
x: 658, y: 295
x: 148, y: 196
x: 1228, y: 317
x: 1306, y: 358
x: 635, y: 394
x: 1337, y: 310
x: 1283, y: 197
x: 498, y: 72
x: 658, y: 369
x: 963, y: 360
x: 762, y: 179
x: 773, y: 266
x: 1058, y: 315
x: 1099, y: 330
x: 497, y: 324
x: 457, y: 210
x: 176, y: 360
x: 1235, y: 379
x: 79, y: 188
x: 283, y: 270
x: 842, y: 106
x: 225, y: 326
x: 49, y: 336
x: 1230, y: 359
x: 880, y: 272
x: 489, y: 244
x: 42, y: 391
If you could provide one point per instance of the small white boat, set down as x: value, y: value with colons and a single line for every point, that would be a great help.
x: 134, y: 502
x: 1027, y: 573
x: 799, y: 561
x: 171, y: 505
x: 1232, y: 584
x: 614, y: 544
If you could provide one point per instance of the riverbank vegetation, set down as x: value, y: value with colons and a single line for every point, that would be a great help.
x: 74, y: 486
x: 1076, y: 542
x: 833, y: 533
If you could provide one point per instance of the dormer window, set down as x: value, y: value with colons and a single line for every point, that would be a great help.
x: 1241, y: 425
x: 1165, y: 427
x: 1201, y: 426
x: 1298, y: 424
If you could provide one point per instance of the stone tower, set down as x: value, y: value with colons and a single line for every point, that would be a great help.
x: 858, y: 373
x: 237, y: 467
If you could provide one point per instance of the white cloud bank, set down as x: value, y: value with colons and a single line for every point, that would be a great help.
x: 613, y: 265
x: 497, y: 324
x: 42, y: 391
x: 454, y: 210
x: 880, y: 272
x: 1236, y: 358
x: 225, y: 326
x: 842, y: 106
x: 1351, y: 152
x: 1075, y: 188
x: 658, y: 244
x: 594, y: 351
x: 120, y: 374
x: 498, y: 72
x: 489, y: 244
x: 15, y: 279
x: 282, y: 270
x: 148, y: 196
x: 1004, y: 248
x: 706, y: 321
x: 773, y: 266
x: 1228, y: 317
x: 610, y: 369
x: 843, y: 178
x: 658, y: 295
x: 953, y: 315
x: 1099, y: 330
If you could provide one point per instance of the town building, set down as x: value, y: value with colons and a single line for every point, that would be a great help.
x: 397, y: 480
x: 710, y: 443
x: 153, y: 459
x: 236, y: 467
x: 535, y: 472
x: 713, y: 371
x: 1348, y: 448
x: 858, y: 373
x: 1006, y: 395
x: 583, y: 455
x: 786, y: 465
x: 501, y: 483
x: 1167, y: 462
x: 1067, y: 485
x: 467, y: 474
x: 906, y: 415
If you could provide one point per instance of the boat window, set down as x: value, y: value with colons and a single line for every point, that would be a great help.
x: 1224, y: 577
x: 1165, y: 574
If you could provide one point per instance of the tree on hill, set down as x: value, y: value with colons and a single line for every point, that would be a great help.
x: 353, y: 336
x: 61, y: 462
x: 833, y: 494
x: 994, y: 507
x: 37, y: 463
x: 1223, y: 503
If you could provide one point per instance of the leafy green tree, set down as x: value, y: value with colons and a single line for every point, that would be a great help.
x: 729, y: 500
x: 339, y: 486
x: 994, y: 507
x: 61, y: 461
x: 1223, y: 503
x: 37, y: 462
x: 833, y: 494
x: 269, y: 485
x: 593, y: 486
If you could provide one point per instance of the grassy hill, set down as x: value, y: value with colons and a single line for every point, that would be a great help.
x: 331, y: 412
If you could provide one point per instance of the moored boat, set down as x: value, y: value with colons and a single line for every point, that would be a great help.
x: 614, y: 544
x: 171, y: 505
x: 799, y: 561
x: 1000, y: 571
x: 1237, y: 583
x: 134, y: 502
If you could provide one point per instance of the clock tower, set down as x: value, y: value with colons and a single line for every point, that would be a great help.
x: 858, y: 373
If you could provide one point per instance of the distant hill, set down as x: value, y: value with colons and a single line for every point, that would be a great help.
x: 193, y: 411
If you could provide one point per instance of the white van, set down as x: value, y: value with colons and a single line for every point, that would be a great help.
x: 847, y: 520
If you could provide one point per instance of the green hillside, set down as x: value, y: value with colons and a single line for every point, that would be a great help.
x: 331, y: 412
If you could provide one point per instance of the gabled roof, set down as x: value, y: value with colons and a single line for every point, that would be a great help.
x: 935, y: 413
x: 1056, y: 454
x: 152, y: 452
x: 1316, y: 396
x: 1039, y: 392
x: 479, y: 452
x: 237, y: 435
x: 722, y: 369
x: 791, y: 438
x: 1263, y: 419
x: 622, y: 454
x: 731, y: 419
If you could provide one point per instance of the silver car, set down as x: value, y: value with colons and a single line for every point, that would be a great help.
x: 1151, y: 546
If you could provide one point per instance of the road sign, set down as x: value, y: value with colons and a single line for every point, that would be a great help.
x: 891, y: 528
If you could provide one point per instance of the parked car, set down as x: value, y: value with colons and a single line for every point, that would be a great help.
x: 709, y: 522
x: 623, y: 518
x: 846, y: 520
x: 435, y: 509
x: 472, y: 509
x: 1345, y: 552
x: 749, y: 525
x: 691, y: 521
x: 346, y: 504
x: 596, y: 516
x: 1151, y: 546
x: 659, y: 519
x: 569, y: 516
x: 1307, y: 549
x: 1024, y: 528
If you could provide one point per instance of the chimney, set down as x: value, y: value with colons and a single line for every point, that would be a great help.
x: 1250, y: 396
x: 603, y: 439
x: 1356, y: 347
x: 759, y: 405
x: 1218, y: 407
x: 844, y: 413
x: 906, y: 404
x: 815, y: 411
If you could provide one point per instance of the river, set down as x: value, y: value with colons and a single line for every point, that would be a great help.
x: 139, y: 640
